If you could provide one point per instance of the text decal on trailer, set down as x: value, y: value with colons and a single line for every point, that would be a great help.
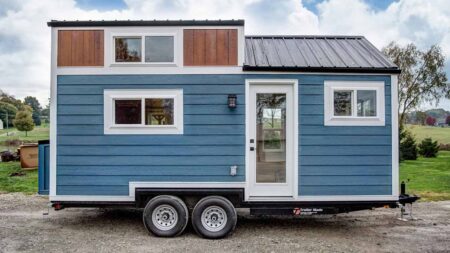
x: 306, y: 211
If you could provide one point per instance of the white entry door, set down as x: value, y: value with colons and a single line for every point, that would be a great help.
x: 270, y: 140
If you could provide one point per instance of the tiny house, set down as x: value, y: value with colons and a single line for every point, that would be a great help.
x: 192, y: 119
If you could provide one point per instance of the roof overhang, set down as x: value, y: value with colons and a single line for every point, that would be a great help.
x: 87, y: 23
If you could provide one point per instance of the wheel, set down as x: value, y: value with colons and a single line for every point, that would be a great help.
x: 214, y: 217
x: 165, y: 216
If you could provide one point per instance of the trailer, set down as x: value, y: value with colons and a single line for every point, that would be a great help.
x: 192, y: 119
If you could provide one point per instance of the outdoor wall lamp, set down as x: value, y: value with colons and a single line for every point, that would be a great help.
x: 232, y: 98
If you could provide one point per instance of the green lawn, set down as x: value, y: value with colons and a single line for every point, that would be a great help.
x: 38, y: 133
x: 428, y: 177
x: 26, y: 183
x: 440, y: 134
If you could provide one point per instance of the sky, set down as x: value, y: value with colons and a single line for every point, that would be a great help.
x: 25, y: 37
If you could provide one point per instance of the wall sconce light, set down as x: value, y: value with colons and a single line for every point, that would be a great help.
x: 232, y: 98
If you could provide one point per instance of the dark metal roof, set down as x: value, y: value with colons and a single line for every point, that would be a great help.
x: 315, y: 53
x: 78, y: 23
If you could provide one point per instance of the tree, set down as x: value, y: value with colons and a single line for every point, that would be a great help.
x: 423, y: 77
x: 421, y: 117
x: 428, y: 148
x: 447, y: 120
x: 7, y: 110
x: 24, y: 121
x: 45, y: 113
x: 37, y: 109
x: 431, y: 121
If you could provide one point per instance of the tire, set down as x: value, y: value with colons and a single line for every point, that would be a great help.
x: 214, y: 217
x: 165, y: 216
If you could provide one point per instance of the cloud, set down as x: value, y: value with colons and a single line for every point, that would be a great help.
x: 25, y: 38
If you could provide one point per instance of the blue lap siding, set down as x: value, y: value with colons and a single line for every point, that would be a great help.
x: 333, y: 160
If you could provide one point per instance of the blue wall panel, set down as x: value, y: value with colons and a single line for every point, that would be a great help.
x: 333, y: 160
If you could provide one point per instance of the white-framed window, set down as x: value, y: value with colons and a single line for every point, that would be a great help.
x: 151, y: 49
x: 354, y: 103
x: 149, y: 111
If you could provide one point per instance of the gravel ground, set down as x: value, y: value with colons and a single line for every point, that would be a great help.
x: 23, y: 227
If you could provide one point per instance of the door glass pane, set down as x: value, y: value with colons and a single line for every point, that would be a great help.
x: 159, y: 111
x: 270, y: 138
x: 367, y: 103
x: 343, y: 103
x: 127, y: 111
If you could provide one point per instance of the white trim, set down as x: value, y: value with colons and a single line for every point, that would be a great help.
x: 201, y: 185
x: 53, y: 112
x: 109, y: 95
x: 395, y: 138
x: 354, y: 120
x: 295, y: 173
x: 133, y: 185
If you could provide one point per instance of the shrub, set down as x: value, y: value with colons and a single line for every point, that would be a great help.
x: 408, y: 146
x: 428, y: 148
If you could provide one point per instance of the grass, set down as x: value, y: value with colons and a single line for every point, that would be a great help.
x: 27, y: 183
x: 440, y: 134
x: 428, y: 177
x: 38, y: 133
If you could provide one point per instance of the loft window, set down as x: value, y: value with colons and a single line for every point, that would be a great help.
x: 128, y: 49
x: 159, y: 49
x: 144, y: 49
x: 354, y: 103
x: 143, y: 111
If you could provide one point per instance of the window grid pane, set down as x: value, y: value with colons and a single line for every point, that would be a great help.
x: 159, y: 111
x: 343, y: 103
x: 159, y: 49
x: 128, y: 112
x: 366, y: 103
x: 128, y: 49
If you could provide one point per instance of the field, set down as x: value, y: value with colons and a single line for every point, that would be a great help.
x: 428, y: 177
x: 38, y: 133
x: 441, y: 134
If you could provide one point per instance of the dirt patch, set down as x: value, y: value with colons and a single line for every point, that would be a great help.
x: 23, y: 227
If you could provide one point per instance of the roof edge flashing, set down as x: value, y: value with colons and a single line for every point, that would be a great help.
x: 323, y: 69
x: 99, y: 23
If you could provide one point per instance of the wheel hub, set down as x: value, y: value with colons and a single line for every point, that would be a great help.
x: 214, y: 218
x: 164, y: 217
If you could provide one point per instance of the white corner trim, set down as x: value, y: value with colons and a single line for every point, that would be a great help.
x: 331, y: 120
x: 109, y: 95
x: 395, y: 137
x: 53, y: 112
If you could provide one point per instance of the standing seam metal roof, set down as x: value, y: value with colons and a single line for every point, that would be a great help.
x: 315, y: 53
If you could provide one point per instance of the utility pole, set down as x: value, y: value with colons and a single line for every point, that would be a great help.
x: 7, y: 123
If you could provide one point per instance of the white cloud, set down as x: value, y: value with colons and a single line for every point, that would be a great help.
x: 25, y: 38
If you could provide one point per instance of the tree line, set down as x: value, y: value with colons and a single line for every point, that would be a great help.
x: 22, y: 114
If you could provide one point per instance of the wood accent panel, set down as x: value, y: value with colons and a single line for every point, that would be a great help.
x: 80, y: 48
x: 210, y: 47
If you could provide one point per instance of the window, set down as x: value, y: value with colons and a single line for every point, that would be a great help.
x: 149, y: 49
x: 143, y: 111
x: 354, y: 103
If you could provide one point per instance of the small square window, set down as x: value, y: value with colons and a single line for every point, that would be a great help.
x: 127, y: 112
x: 343, y: 103
x: 159, y: 111
x: 159, y: 49
x: 128, y: 49
x: 354, y: 103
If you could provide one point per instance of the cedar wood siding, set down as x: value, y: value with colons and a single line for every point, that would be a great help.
x: 80, y: 48
x: 334, y: 160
